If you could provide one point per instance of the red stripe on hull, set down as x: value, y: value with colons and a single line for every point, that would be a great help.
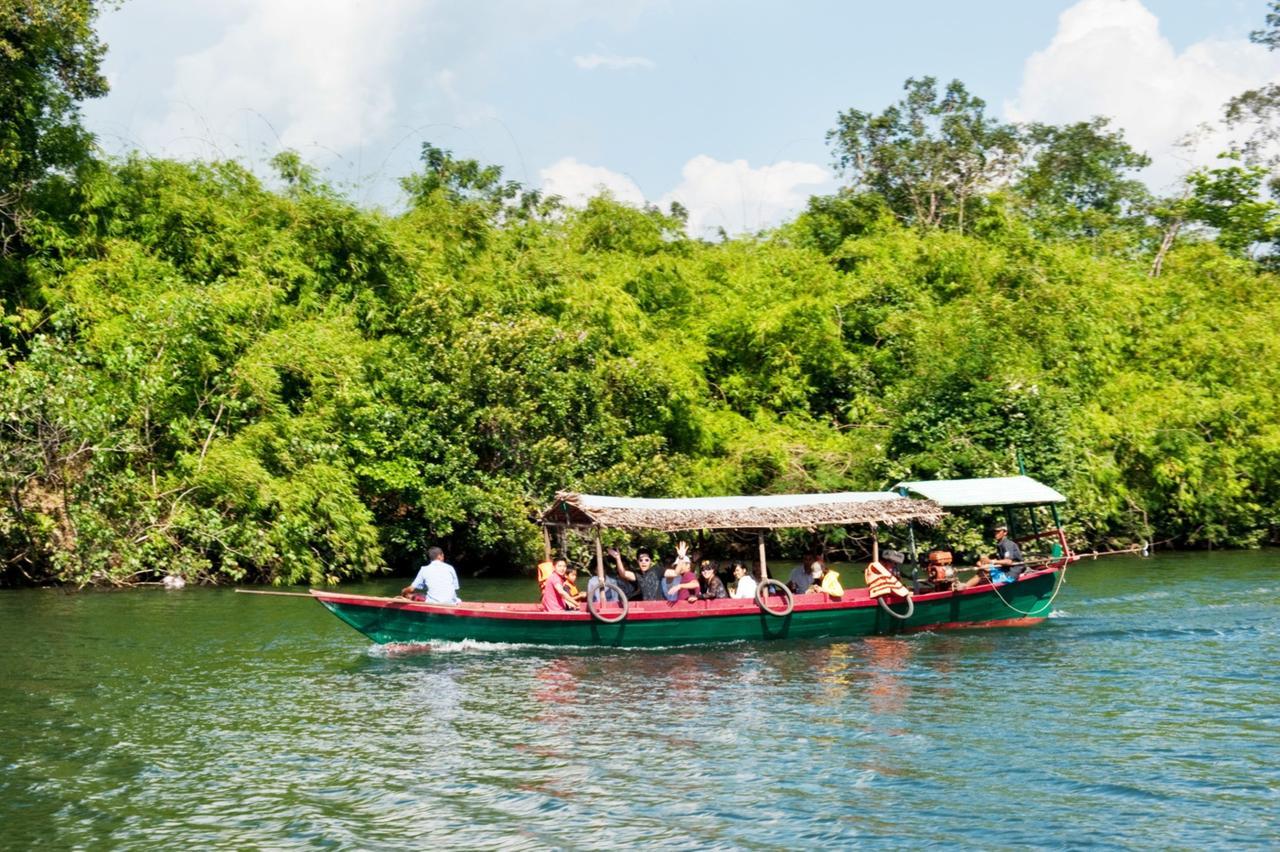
x: 656, y: 610
x: 968, y: 625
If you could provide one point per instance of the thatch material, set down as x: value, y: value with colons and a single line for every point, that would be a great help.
x: 721, y: 513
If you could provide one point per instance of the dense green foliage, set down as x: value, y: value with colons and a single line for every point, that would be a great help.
x: 49, y: 61
x: 206, y: 375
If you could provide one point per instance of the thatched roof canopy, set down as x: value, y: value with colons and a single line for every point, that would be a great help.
x: 722, y: 513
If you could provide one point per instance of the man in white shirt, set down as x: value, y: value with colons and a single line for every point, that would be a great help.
x: 437, y: 579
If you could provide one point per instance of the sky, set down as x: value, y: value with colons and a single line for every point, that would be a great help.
x: 722, y: 106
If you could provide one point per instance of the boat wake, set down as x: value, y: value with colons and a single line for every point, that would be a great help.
x: 464, y: 646
x: 393, y: 650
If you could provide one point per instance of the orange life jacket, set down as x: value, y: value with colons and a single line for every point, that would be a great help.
x: 881, y: 581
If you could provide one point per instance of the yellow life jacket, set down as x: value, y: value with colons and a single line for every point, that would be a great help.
x: 831, y: 584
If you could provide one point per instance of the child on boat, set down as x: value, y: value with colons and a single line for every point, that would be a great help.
x: 555, y: 594
x: 571, y: 584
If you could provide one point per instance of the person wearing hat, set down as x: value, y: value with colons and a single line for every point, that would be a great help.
x: 1008, y: 554
x: 825, y: 580
x: 712, y: 585
x: 679, y: 582
x: 882, y: 576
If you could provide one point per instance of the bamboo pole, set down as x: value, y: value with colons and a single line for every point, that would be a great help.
x: 546, y: 543
x: 599, y: 558
x: 875, y: 543
x: 764, y: 567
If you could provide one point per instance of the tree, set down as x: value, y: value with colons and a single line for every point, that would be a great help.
x: 1256, y: 112
x: 457, y: 179
x: 929, y: 155
x: 1079, y: 177
x: 1227, y: 199
x: 1270, y: 35
x: 50, y: 60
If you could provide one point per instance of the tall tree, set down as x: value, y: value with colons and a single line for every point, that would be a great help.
x: 1079, y: 177
x: 1227, y: 199
x: 50, y: 61
x: 1256, y: 113
x: 929, y: 155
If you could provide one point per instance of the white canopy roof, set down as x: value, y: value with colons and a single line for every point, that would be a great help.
x: 999, y: 491
x: 764, y: 512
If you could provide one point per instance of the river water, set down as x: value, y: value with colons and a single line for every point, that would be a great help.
x: 1145, y: 713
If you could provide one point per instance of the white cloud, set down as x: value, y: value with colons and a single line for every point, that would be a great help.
x: 740, y: 199
x: 732, y: 196
x: 1109, y: 58
x: 318, y: 72
x: 576, y: 182
x: 592, y: 61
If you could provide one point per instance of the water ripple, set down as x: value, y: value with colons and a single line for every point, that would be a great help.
x: 1146, y: 717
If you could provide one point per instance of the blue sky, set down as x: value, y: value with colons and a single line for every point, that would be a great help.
x: 720, y: 105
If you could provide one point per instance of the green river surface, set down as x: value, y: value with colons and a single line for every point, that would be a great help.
x: 1146, y: 713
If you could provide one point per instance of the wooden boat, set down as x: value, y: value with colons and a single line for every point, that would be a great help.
x: 774, y: 614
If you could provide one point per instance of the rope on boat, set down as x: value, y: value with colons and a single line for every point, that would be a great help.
x: 274, y: 594
x: 1057, y: 587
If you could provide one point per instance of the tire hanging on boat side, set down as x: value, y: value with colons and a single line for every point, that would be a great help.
x: 786, y: 593
x: 911, y: 607
x: 593, y: 604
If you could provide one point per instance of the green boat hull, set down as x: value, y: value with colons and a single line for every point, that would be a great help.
x: 384, y: 621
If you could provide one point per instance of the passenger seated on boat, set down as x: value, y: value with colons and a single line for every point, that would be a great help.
x: 801, y: 577
x: 647, y: 578
x: 612, y: 592
x: 436, y: 579
x: 745, y: 583
x: 571, y: 583
x: 624, y: 581
x: 988, y: 572
x: 712, y: 587
x: 882, y: 576
x: 825, y: 580
x: 555, y: 592
x: 680, y: 584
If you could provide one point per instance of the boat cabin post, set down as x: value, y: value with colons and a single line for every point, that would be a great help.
x: 875, y: 543
x: 546, y: 542
x: 764, y: 568
x: 599, y: 557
